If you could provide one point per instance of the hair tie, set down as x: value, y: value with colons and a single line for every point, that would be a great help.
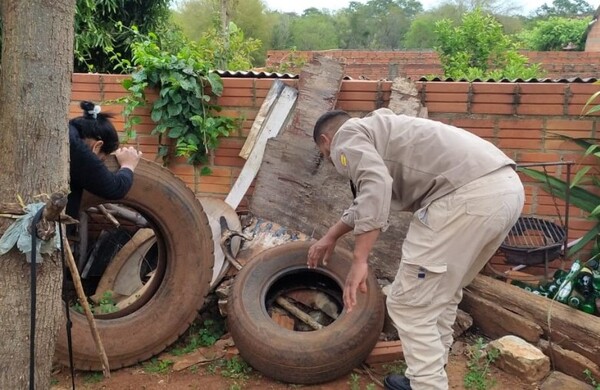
x: 94, y: 113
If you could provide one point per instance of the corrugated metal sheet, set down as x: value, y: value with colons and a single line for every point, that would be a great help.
x: 587, y: 80
x: 256, y: 74
x: 275, y: 75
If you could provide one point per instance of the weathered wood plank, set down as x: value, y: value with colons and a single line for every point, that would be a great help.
x: 569, y: 362
x: 263, y: 113
x: 496, y: 321
x: 319, y: 84
x: 273, y: 124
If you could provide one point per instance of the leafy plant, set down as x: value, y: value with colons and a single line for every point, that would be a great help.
x: 478, y: 366
x: 590, y: 378
x: 579, y: 196
x: 185, y: 110
x: 555, y: 33
x: 233, y: 51
x: 99, y: 32
x: 156, y: 366
x: 236, y: 368
x: 291, y: 62
x: 94, y: 377
x: 105, y: 305
x: 207, y: 335
x: 478, y: 49
x: 397, y: 367
x: 354, y: 381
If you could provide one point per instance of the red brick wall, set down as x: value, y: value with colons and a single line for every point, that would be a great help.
x: 521, y: 118
x: 376, y: 65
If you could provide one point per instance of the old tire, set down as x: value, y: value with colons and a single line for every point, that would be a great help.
x: 292, y: 356
x: 186, y: 246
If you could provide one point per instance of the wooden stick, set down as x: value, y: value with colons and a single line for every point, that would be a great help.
x: 108, y: 216
x: 302, y: 316
x: 86, y: 308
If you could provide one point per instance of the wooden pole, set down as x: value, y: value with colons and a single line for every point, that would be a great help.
x: 302, y: 316
x: 86, y: 307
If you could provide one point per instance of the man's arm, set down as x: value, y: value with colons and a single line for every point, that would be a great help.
x: 357, y: 277
x: 322, y: 249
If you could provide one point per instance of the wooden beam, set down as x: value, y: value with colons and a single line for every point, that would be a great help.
x: 569, y: 362
x: 496, y: 321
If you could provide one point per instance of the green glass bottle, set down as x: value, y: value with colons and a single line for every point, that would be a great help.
x: 551, y: 288
x: 566, y: 287
x: 523, y: 285
x: 575, y: 300
x: 588, y: 305
x: 585, y: 282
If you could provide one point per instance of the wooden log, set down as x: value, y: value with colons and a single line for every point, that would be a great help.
x: 569, y: 362
x: 563, y: 325
x: 496, y: 321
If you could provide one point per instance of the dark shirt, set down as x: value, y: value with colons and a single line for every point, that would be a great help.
x: 89, y: 173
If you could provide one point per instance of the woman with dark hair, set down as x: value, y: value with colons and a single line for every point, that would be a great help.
x: 92, y: 137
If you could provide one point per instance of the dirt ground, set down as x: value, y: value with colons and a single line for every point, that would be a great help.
x: 207, y: 377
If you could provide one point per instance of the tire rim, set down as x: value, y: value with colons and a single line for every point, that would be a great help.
x: 151, y: 285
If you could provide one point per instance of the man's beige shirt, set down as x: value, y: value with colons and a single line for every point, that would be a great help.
x: 413, y: 161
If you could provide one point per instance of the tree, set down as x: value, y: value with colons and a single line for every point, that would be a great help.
x: 281, y: 38
x: 421, y: 35
x: 35, y: 90
x: 479, y: 49
x: 377, y: 24
x: 495, y: 7
x: 103, y: 29
x: 556, y: 33
x: 196, y: 17
x: 565, y: 9
x: 315, y: 30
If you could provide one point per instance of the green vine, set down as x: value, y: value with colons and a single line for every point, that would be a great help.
x: 185, y: 110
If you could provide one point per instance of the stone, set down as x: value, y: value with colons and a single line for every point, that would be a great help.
x: 519, y: 358
x: 559, y: 381
x: 463, y: 322
x: 405, y: 98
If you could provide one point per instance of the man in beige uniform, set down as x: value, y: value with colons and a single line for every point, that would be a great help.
x: 465, y: 196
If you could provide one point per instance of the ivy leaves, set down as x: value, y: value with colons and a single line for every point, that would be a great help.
x: 184, y: 110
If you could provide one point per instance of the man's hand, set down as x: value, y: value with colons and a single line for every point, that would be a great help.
x: 356, y: 280
x: 323, y: 249
x: 320, y: 251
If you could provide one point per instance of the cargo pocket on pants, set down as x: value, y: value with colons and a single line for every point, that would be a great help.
x: 416, y: 285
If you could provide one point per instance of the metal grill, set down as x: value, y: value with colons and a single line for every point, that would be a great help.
x: 533, y: 241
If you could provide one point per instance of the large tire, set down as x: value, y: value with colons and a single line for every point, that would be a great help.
x: 293, y: 356
x: 185, y: 244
